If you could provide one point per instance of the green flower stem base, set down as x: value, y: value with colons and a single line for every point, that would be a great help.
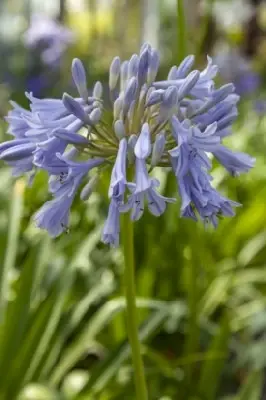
x: 131, y: 308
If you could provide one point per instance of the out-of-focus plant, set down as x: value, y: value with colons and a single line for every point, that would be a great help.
x: 47, y: 38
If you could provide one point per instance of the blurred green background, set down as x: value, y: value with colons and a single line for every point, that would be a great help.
x: 201, y: 293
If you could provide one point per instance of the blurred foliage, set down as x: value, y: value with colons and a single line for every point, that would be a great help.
x: 201, y: 293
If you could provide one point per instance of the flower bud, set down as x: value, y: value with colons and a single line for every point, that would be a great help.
x: 89, y: 188
x: 95, y: 116
x: 143, y: 146
x: 119, y: 129
x: 123, y: 75
x: 70, y: 137
x: 185, y: 67
x: 188, y: 84
x: 154, y: 62
x: 79, y: 77
x: 74, y: 107
x: 98, y: 90
x: 130, y: 93
x: 158, y: 149
x: 114, y: 72
x: 17, y: 152
x: 172, y: 75
x: 118, y: 104
x: 143, y: 66
x: 133, y: 66
x: 131, y: 147
x: 154, y: 97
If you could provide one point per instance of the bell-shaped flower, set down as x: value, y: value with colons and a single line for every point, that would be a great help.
x: 118, y: 178
x: 235, y: 162
x: 197, y: 194
x: 111, y: 227
x: 54, y: 214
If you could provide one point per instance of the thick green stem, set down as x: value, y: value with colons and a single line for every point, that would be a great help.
x: 204, y: 26
x: 181, y: 31
x: 131, y: 309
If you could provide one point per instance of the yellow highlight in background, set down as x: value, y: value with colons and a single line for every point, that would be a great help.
x: 86, y: 24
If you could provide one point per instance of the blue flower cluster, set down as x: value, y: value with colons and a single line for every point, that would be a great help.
x: 172, y: 123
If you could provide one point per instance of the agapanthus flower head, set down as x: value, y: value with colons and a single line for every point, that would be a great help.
x: 175, y: 123
x: 48, y: 37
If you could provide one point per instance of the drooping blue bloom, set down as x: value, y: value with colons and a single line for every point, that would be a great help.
x: 197, y: 194
x: 111, y: 227
x: 144, y: 186
x: 136, y: 201
x: 235, y: 162
x: 45, y: 155
x: 54, y: 214
x: 191, y: 164
x: 18, y: 125
x: 174, y: 123
x: 118, y: 178
x: 18, y: 155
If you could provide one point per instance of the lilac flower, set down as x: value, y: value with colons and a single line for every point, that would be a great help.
x: 18, y: 155
x: 199, y: 84
x: 111, y: 228
x: 197, y: 194
x: 116, y: 194
x: 156, y: 202
x: 173, y: 123
x: 18, y: 125
x: 48, y: 37
x: 234, y: 162
x: 144, y: 186
x: 191, y: 166
x: 54, y: 214
x: 118, y: 178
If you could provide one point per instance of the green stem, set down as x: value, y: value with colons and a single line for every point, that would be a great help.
x: 181, y: 31
x: 204, y: 28
x: 131, y: 308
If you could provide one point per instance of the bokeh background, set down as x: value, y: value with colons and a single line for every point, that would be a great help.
x: 201, y: 293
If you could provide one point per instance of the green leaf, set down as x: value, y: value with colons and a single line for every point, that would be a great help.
x: 212, y: 367
x: 86, y: 337
x: 24, y: 356
x: 51, y: 325
x: 102, y: 374
x: 251, y: 390
x: 17, y: 317
x: 15, y: 214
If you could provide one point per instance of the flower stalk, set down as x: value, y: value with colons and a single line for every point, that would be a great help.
x: 131, y: 308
